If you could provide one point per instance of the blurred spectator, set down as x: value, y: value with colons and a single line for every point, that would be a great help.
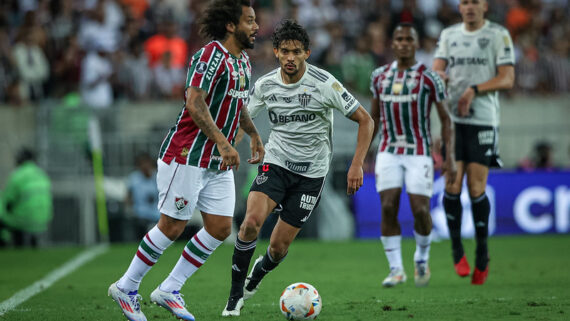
x: 32, y: 27
x: 63, y: 25
x: 99, y: 28
x: 541, y: 158
x: 96, y: 72
x: 167, y: 40
x: 408, y: 13
x: 142, y: 194
x: 429, y: 42
x: 333, y: 53
x: 27, y: 202
x: 32, y: 66
x: 134, y: 73
x: 66, y: 69
x: 539, y: 30
x: 357, y: 65
x: 168, y: 79
x: 378, y: 39
x: 8, y: 73
x: 136, y: 8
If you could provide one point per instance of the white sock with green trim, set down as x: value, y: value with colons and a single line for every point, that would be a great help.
x: 195, y: 253
x: 150, y: 249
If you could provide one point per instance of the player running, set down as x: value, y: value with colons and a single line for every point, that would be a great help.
x: 403, y: 93
x: 300, y: 99
x: 196, y: 157
x: 478, y: 57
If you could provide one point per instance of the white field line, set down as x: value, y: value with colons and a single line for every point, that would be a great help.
x: 66, y: 269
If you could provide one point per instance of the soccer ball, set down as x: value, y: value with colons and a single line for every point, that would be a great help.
x: 300, y: 301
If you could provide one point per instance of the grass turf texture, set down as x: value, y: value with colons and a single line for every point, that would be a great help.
x: 528, y: 280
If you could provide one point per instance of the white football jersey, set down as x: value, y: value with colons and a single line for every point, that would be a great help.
x: 472, y: 58
x: 301, y: 116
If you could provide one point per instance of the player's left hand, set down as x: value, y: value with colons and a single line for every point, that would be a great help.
x: 449, y: 170
x: 355, y: 179
x: 464, y: 102
x: 257, y: 150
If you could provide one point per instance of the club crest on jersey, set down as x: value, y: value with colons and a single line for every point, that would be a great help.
x: 483, y: 42
x: 411, y: 83
x: 180, y: 203
x: 304, y: 99
x: 184, y: 152
x: 260, y: 179
x: 201, y: 67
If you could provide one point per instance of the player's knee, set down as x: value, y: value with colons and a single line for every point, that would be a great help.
x: 389, y: 211
x: 278, y: 250
x: 171, y: 228
x: 251, y: 226
x: 476, y: 189
x: 421, y: 213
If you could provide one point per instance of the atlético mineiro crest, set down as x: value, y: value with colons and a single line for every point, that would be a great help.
x: 260, y: 179
x: 483, y: 42
x: 180, y: 203
x: 304, y: 99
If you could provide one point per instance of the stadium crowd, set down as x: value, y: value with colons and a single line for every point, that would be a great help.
x: 138, y: 49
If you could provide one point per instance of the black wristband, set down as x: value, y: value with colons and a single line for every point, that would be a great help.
x: 475, y: 89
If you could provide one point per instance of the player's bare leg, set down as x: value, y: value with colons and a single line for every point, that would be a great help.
x: 259, y: 206
x: 453, y: 214
x: 281, y: 238
x: 392, y: 236
x: 422, y: 230
x: 476, y: 182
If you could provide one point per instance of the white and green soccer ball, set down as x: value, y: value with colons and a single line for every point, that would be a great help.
x: 300, y: 301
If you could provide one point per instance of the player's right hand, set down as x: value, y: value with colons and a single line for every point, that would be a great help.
x: 257, y: 150
x: 230, y: 156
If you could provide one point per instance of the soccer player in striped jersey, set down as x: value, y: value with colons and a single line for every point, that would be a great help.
x: 477, y: 58
x: 403, y: 93
x: 300, y: 100
x: 196, y: 158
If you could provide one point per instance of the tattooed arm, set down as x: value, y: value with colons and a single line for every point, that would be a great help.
x: 256, y: 145
x: 198, y: 109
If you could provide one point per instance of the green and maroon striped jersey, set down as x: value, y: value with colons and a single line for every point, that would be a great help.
x: 405, y: 103
x: 226, y: 79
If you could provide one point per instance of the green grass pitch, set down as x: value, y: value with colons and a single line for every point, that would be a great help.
x: 529, y: 280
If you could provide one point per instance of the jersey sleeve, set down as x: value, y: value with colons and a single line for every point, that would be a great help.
x: 256, y: 103
x: 441, y: 48
x: 337, y: 97
x: 505, y: 52
x: 437, y: 86
x: 204, y: 68
x: 373, y: 80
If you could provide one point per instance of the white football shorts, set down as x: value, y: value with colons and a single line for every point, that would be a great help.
x: 415, y: 170
x: 183, y: 188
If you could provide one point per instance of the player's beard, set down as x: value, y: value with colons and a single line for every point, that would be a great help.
x: 243, y: 39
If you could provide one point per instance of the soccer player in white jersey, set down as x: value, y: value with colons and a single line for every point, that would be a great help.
x: 300, y: 99
x: 402, y: 95
x: 476, y: 57
x: 195, y: 159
